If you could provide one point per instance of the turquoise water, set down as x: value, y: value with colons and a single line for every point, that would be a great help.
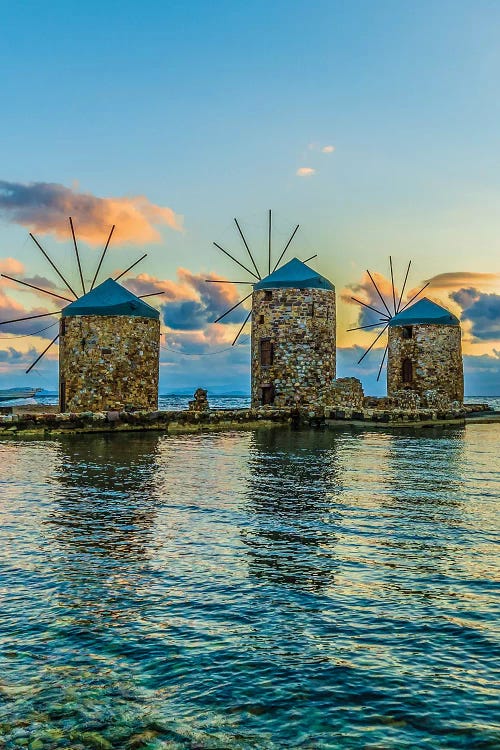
x: 265, y: 589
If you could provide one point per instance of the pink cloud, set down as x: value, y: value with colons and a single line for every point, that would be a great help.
x: 45, y: 207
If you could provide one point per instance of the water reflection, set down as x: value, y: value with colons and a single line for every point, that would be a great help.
x: 107, y: 499
x: 294, y: 478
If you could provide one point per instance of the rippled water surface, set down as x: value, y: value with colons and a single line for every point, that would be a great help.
x: 266, y: 589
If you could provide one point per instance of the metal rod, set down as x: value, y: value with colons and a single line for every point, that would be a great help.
x: 30, y: 317
x: 392, y: 279
x: 233, y: 308
x: 42, y: 354
x: 376, y: 289
x: 54, y: 267
x: 248, y: 249
x: 224, y: 281
x: 38, y: 288
x: 311, y: 258
x: 130, y: 267
x: 102, y: 257
x: 242, y: 327
x: 373, y: 325
x: 373, y: 343
x: 237, y: 261
x: 404, y: 285
x: 368, y: 306
x: 269, y: 243
x: 151, y: 294
x: 414, y: 296
x: 286, y: 248
x: 382, y: 363
x: 77, y: 254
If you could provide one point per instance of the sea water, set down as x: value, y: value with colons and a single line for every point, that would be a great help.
x: 269, y: 589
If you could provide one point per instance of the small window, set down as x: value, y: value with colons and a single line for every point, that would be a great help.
x: 266, y: 352
x: 261, y: 319
x: 267, y: 395
x: 268, y: 295
x: 407, y: 332
x: 311, y: 309
x: 407, y: 371
x: 63, y: 327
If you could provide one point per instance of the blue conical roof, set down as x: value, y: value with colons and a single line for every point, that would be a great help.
x: 110, y: 298
x: 425, y: 311
x: 294, y: 275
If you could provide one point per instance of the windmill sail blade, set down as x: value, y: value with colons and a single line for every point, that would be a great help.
x: 102, y: 258
x: 311, y: 258
x: 54, y: 267
x: 130, y: 267
x: 237, y: 261
x: 225, y: 281
x: 371, y: 308
x: 77, y: 254
x: 248, y: 249
x: 373, y: 343
x: 286, y: 248
x: 415, y: 296
x: 233, y: 308
x: 150, y: 294
x: 377, y: 290
x: 38, y: 288
x: 29, y: 317
x: 241, y: 329
x: 360, y: 328
x: 42, y: 354
x: 404, y: 285
x: 392, y: 281
x: 269, y: 243
x: 382, y: 363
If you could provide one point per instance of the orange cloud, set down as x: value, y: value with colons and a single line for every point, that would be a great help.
x: 45, y: 208
x: 305, y: 172
x: 11, y: 266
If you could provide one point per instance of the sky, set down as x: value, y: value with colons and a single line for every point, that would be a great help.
x: 374, y: 126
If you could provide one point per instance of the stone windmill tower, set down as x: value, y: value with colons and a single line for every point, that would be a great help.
x: 424, y: 349
x: 109, y: 342
x: 425, y: 354
x: 293, y: 347
x: 293, y: 337
x: 109, y: 351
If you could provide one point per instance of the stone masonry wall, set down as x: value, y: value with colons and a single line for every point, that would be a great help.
x: 347, y: 393
x: 300, y: 324
x: 436, y: 355
x: 108, y: 363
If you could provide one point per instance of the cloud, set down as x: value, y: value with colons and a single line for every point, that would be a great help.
x: 328, y: 149
x: 305, y: 172
x: 11, y: 310
x: 191, y: 303
x: 482, y: 310
x: 11, y: 266
x: 45, y: 207
x: 366, y: 292
x: 208, y: 302
x: 457, y: 279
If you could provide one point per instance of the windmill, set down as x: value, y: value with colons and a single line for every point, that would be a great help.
x: 255, y: 273
x: 66, y: 283
x: 387, y: 314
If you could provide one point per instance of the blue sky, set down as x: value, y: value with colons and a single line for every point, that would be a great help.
x: 211, y: 109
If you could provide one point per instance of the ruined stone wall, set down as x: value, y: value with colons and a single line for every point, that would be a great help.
x: 437, y: 368
x: 347, y: 393
x: 300, y: 324
x: 108, y: 363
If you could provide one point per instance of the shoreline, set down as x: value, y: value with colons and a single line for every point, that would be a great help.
x: 29, y: 422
